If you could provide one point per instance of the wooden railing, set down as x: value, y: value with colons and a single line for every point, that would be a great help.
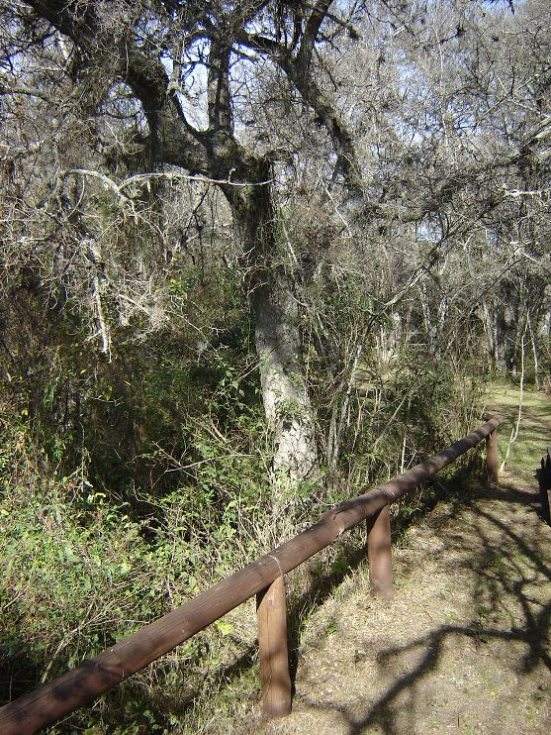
x: 263, y: 578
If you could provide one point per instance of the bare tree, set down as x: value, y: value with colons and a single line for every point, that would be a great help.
x: 172, y: 56
x: 404, y: 106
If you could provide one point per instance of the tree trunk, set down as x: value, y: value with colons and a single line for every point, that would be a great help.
x: 278, y: 343
x: 284, y: 391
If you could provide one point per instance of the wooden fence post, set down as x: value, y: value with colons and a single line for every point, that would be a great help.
x: 272, y: 644
x: 545, y: 487
x: 492, y: 459
x: 379, y: 551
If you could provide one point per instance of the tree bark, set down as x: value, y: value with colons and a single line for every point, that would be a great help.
x: 276, y: 313
x: 284, y: 390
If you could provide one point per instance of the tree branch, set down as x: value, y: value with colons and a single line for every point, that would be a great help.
x: 173, y: 138
x: 219, y: 99
x: 311, y: 33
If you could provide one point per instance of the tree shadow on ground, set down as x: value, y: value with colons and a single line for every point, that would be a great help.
x: 511, y: 602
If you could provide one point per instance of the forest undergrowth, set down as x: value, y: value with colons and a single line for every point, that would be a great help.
x: 84, y: 568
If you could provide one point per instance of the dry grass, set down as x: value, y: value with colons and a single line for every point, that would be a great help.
x: 535, y: 425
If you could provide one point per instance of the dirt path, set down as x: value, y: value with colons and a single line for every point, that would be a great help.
x: 464, y: 647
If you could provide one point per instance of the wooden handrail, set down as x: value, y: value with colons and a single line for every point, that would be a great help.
x: 45, y: 705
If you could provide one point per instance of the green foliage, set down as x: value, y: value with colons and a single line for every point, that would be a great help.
x: 75, y: 566
x: 82, y: 571
x: 127, y: 487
